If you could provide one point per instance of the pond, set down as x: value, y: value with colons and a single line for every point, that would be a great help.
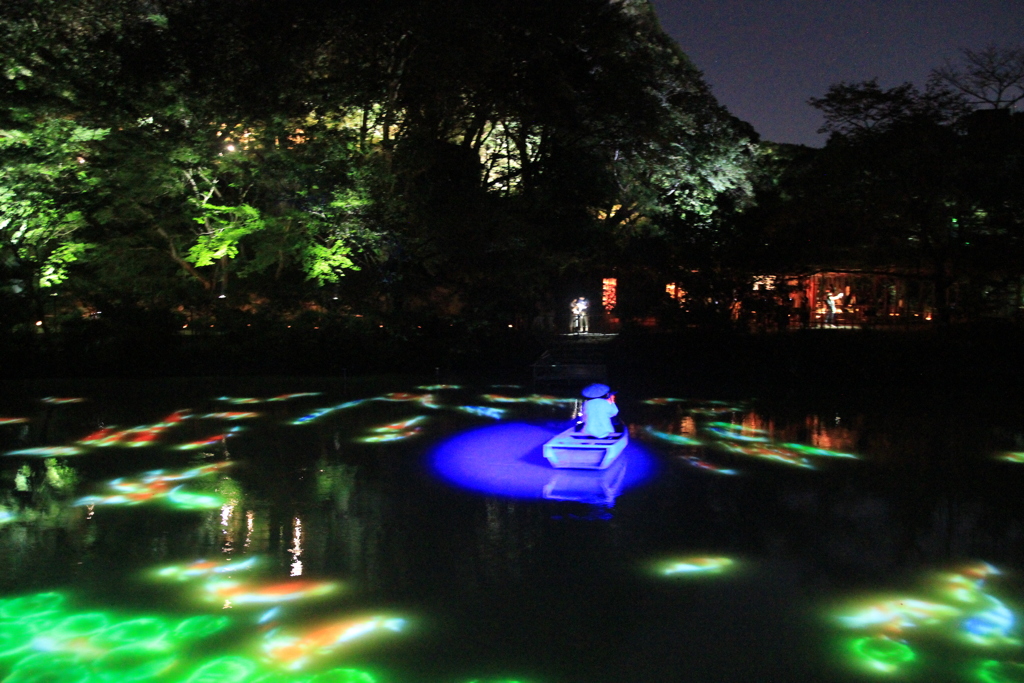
x: 387, y: 531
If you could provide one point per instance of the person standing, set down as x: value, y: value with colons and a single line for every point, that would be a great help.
x: 580, y: 317
x: 830, y: 300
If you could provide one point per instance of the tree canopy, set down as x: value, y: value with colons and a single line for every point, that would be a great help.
x: 398, y: 155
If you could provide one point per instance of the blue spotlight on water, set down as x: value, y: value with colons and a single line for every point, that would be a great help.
x: 507, y: 460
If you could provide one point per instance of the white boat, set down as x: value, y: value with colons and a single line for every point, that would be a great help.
x: 572, y: 449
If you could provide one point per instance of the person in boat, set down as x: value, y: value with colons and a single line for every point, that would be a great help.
x: 598, y: 411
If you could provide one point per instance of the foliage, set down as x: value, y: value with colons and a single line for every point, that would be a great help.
x: 462, y: 159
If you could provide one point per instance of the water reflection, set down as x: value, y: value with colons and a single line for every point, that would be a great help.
x: 296, y: 550
x: 317, y: 543
x: 595, y: 490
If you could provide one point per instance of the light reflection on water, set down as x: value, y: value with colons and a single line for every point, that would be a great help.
x: 343, y: 555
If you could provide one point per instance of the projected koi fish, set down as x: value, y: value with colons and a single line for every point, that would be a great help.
x: 297, y: 651
x: 55, y: 401
x: 425, y: 400
x: 230, y: 416
x: 201, y: 569
x: 48, y: 451
x: 202, y: 443
x: 254, y: 594
x: 483, y: 411
x: 975, y: 618
x: 536, y: 399
x: 13, y: 420
x: 804, y: 449
x: 301, y: 394
x: 676, y: 439
x: 734, y: 432
x: 395, y: 431
x: 766, y: 452
x: 156, y: 485
x: 135, y: 437
x: 399, y: 396
x: 696, y: 565
x: 704, y: 465
x: 320, y: 412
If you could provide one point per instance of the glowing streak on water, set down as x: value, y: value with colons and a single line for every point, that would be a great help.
x: 296, y: 549
x: 250, y: 516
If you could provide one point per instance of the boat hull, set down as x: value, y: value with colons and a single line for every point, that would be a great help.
x: 573, y: 450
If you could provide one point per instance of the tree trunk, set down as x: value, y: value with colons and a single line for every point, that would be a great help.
x: 185, y: 265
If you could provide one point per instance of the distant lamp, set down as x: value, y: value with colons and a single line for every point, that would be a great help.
x: 39, y: 323
x: 223, y: 296
x: 81, y: 160
x: 231, y: 148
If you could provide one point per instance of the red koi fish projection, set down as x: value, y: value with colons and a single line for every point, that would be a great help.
x: 146, y: 435
x: 396, y: 431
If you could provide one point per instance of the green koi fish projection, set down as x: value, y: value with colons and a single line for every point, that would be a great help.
x: 956, y: 609
x: 13, y: 420
x: 992, y: 671
x: 674, y: 439
x: 694, y: 566
x: 56, y: 401
x: 41, y: 639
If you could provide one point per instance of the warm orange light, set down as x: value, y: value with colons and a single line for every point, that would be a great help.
x: 609, y: 287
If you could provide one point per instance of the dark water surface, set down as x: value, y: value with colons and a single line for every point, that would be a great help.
x: 392, y: 533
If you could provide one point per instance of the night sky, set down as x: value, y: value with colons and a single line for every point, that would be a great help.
x: 765, y: 58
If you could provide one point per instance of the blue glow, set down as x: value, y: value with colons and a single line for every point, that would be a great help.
x: 992, y: 623
x: 507, y: 460
x: 269, y: 615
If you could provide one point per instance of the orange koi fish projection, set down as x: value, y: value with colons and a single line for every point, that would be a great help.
x: 237, y: 593
x: 296, y: 651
